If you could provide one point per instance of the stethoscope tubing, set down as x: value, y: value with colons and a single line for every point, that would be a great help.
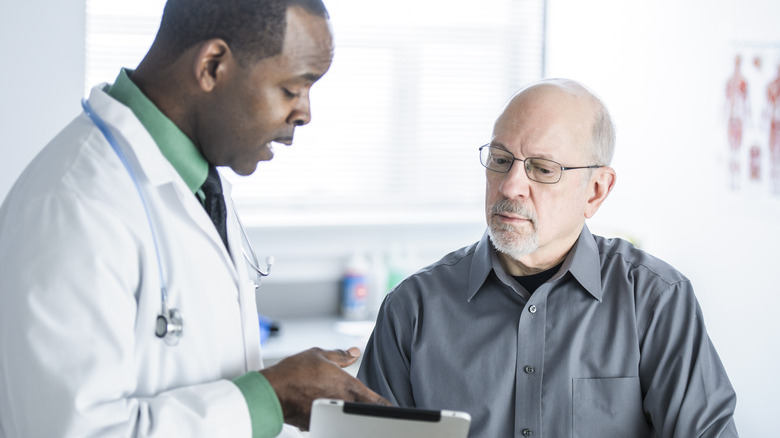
x: 115, y: 146
x: 165, y: 313
x: 169, y: 322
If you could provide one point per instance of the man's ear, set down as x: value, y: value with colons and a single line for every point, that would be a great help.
x: 213, y: 62
x: 601, y: 184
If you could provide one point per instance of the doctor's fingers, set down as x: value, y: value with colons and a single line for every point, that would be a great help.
x: 341, y: 384
x: 342, y: 358
x: 361, y: 394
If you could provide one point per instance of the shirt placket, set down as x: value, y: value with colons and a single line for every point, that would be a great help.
x: 529, y: 367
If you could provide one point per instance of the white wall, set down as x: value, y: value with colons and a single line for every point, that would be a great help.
x: 661, y: 66
x: 41, y: 78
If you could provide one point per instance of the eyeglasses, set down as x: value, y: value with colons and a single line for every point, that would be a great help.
x: 540, y: 170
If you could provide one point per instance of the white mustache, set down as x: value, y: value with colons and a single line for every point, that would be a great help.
x: 507, y: 206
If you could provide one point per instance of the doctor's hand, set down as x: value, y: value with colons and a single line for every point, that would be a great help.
x: 315, y: 373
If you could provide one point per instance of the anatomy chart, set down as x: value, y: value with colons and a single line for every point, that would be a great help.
x: 751, y: 95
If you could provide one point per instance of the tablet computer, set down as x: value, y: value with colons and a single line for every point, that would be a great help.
x: 339, y: 419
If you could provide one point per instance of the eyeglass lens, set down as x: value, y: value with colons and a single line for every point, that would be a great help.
x: 537, y: 169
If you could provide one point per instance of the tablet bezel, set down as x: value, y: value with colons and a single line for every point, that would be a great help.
x: 336, y: 418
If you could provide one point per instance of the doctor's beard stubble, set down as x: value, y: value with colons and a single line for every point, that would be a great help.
x: 506, y: 238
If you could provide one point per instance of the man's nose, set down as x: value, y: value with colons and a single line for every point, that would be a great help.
x: 515, y: 183
x: 301, y: 113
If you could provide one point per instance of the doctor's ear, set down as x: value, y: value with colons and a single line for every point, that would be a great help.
x: 213, y: 60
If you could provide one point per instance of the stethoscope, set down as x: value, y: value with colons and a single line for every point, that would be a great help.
x: 169, y: 324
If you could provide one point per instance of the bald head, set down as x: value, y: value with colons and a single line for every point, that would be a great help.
x: 569, y: 102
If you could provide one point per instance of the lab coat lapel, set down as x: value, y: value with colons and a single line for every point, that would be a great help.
x: 149, y: 164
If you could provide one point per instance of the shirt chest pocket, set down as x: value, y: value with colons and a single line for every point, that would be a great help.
x: 608, y: 408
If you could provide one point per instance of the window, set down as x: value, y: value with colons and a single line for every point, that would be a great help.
x: 413, y: 91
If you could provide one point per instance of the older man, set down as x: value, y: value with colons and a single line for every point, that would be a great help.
x: 541, y: 328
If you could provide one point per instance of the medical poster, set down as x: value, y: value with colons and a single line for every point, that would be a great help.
x: 751, y: 134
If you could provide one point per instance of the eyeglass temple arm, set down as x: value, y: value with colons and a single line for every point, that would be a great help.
x: 595, y: 166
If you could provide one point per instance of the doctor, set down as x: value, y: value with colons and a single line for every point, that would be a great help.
x: 98, y: 251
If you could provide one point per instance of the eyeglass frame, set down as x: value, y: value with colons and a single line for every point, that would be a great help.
x: 525, y: 166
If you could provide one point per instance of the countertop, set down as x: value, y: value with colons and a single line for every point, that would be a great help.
x: 299, y: 334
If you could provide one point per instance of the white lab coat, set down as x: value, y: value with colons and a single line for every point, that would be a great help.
x: 80, y: 292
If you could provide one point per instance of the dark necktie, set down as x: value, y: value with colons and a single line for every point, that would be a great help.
x: 214, y: 203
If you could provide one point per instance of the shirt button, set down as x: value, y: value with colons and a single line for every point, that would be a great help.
x: 527, y: 432
x: 532, y: 309
x: 529, y: 369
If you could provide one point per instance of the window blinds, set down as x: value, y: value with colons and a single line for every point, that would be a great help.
x: 412, y: 93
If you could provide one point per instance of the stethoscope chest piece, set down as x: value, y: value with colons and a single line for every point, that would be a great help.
x: 169, y: 327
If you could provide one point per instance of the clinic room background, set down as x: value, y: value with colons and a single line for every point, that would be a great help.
x: 685, y: 193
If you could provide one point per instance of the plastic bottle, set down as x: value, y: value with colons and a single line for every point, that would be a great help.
x: 354, y: 288
x: 377, y: 283
x: 402, y: 262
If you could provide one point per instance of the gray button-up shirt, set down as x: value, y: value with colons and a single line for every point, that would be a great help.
x: 613, y: 345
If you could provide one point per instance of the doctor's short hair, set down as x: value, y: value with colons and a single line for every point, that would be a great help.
x: 253, y: 29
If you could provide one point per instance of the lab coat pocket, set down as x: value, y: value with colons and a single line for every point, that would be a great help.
x: 608, y: 408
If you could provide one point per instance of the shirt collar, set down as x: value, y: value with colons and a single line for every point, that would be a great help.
x: 583, y: 261
x: 175, y: 146
x: 481, y: 265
